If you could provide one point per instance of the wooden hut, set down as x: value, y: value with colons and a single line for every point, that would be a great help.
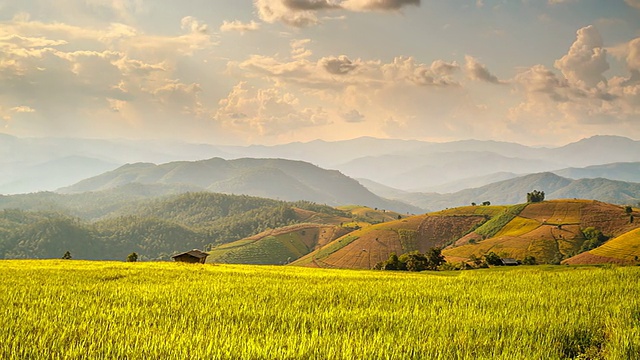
x: 194, y: 256
x: 509, y: 262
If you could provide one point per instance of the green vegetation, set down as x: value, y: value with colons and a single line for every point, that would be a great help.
x: 58, y: 309
x: 153, y: 228
x: 593, y: 239
x: 496, y: 223
x: 413, y: 261
x: 535, y: 196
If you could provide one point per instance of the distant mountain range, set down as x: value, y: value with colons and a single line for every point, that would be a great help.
x: 37, y: 164
x: 272, y: 178
x: 514, y: 191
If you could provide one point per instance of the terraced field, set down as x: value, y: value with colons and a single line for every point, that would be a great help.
x: 550, y: 231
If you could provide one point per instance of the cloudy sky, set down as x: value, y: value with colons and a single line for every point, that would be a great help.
x: 539, y: 72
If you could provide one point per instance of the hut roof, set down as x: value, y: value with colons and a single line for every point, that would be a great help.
x: 195, y: 253
x: 509, y: 261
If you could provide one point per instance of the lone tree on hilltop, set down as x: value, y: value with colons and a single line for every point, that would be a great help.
x: 133, y: 257
x: 535, y: 196
x: 67, y: 255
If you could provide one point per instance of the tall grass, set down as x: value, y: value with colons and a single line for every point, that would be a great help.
x: 96, y: 310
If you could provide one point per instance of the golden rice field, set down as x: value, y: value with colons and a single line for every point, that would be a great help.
x: 55, y: 309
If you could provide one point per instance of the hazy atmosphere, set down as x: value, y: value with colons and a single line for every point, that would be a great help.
x: 275, y: 71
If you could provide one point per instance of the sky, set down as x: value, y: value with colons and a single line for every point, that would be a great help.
x: 239, y: 72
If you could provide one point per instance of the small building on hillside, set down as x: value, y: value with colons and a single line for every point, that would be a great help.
x: 509, y: 262
x: 194, y: 256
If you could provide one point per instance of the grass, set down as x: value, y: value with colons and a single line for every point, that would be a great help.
x: 495, y: 224
x: 625, y: 247
x: 518, y: 227
x: 96, y: 310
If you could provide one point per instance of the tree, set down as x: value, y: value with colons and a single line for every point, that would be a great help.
x: 67, y: 255
x: 133, y: 257
x: 473, y: 204
x: 529, y: 260
x: 492, y: 259
x: 435, y: 258
x: 414, y: 261
x: 594, y: 238
x: 628, y: 210
x: 486, y: 203
x: 535, y: 196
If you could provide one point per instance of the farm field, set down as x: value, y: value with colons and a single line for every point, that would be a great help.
x: 58, y: 309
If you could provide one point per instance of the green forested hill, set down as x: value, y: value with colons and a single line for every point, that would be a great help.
x: 154, y: 228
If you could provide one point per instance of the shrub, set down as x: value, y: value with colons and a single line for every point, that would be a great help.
x: 529, y: 260
x: 492, y: 259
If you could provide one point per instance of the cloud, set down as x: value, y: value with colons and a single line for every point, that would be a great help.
x: 633, y: 3
x: 110, y: 79
x: 338, y: 72
x: 556, y: 2
x: 476, y: 71
x: 239, y: 26
x: 582, y: 95
x: 301, y: 13
x: 337, y: 65
x: 265, y: 111
x: 378, y: 5
x: 353, y: 116
x: 586, y: 60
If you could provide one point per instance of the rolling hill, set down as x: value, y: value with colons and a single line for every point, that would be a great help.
x: 550, y: 231
x: 273, y: 178
x: 514, y: 190
x: 283, y: 245
x: 408, y: 165
x: 155, y: 228
x: 622, y: 171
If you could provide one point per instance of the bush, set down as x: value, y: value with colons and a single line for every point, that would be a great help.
x: 529, y: 260
x: 594, y: 238
x: 492, y: 259
x: 413, y: 261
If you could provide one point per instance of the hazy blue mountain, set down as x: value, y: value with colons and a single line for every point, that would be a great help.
x: 50, y: 175
x: 422, y: 171
x: 625, y: 171
x: 382, y: 190
x: 328, y: 154
x: 468, y: 183
x: 403, y: 164
x: 274, y: 178
x: 91, y: 205
x: 598, y: 150
x: 515, y: 190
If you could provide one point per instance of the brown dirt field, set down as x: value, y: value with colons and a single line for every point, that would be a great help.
x: 610, y: 219
x: 555, y: 211
x: 371, y: 248
x: 438, y: 231
x: 465, y: 239
x: 586, y: 258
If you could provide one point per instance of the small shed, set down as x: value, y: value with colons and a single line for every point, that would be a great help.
x: 509, y: 262
x: 194, y: 256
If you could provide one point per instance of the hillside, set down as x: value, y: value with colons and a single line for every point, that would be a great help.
x: 154, y: 228
x: 514, y: 191
x: 273, y: 178
x: 549, y: 231
x: 289, y: 243
x: 407, y: 165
